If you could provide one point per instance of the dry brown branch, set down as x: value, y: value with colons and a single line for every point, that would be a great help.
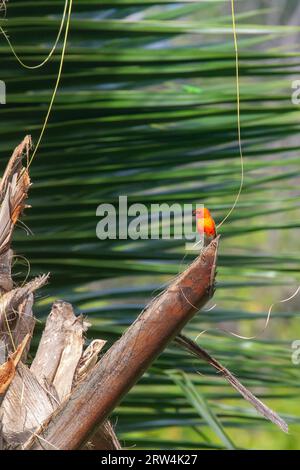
x: 124, y: 363
x: 262, y: 409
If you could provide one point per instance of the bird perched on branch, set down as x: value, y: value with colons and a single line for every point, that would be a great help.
x: 205, y: 224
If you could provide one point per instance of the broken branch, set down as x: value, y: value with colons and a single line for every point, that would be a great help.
x: 125, y: 362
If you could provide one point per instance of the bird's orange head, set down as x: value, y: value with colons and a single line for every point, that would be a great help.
x: 205, y: 223
x: 201, y: 212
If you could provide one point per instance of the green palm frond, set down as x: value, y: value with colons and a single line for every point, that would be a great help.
x: 147, y: 108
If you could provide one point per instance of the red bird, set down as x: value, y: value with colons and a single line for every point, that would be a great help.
x: 205, y: 224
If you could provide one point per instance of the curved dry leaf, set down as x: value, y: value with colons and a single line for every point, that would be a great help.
x: 8, y: 369
x: 7, y: 373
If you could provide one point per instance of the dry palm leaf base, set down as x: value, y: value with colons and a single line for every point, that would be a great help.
x: 63, y: 400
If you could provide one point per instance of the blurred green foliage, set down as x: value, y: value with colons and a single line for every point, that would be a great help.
x: 147, y: 108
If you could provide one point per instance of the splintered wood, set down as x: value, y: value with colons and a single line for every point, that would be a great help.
x: 13, y: 193
x: 60, y: 349
x: 128, y: 358
x: 36, y: 392
x: 30, y: 395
